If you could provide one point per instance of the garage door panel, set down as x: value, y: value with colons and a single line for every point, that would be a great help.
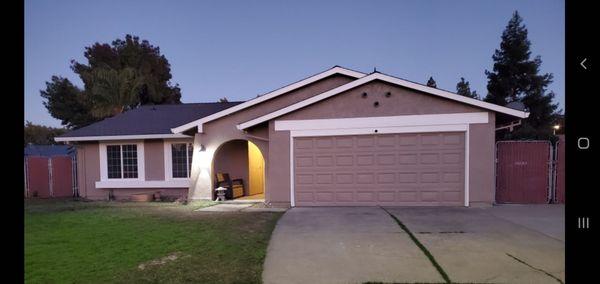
x: 384, y: 142
x: 303, y: 161
x: 386, y: 196
x: 388, y: 169
x: 324, y: 196
x: 303, y: 144
x: 304, y: 196
x: 451, y: 196
x: 344, y: 196
x: 386, y: 178
x: 408, y: 196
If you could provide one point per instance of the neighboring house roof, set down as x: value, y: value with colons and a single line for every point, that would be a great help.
x: 146, y: 122
x: 389, y: 79
x: 332, y: 71
x: 517, y: 105
x: 49, y: 150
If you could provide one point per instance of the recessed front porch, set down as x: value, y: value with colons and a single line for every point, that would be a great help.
x: 239, y: 164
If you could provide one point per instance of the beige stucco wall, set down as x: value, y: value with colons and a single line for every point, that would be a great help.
x: 224, y: 129
x: 154, y: 158
x: 403, y: 101
x: 482, y: 181
x: 88, y: 171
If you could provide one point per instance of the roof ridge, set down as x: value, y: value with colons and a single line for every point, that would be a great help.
x: 197, y: 103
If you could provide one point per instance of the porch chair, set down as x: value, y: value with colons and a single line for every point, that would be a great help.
x: 235, y: 187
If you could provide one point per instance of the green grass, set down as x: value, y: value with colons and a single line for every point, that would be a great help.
x: 99, y: 242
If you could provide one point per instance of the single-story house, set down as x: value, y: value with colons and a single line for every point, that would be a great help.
x: 337, y: 138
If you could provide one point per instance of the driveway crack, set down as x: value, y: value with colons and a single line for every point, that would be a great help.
x: 421, y: 247
x: 535, y: 268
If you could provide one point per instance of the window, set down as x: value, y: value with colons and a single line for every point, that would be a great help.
x: 121, y: 161
x: 181, y: 159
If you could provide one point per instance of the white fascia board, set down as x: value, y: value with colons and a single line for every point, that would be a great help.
x: 385, y: 78
x: 380, y: 130
x: 453, y: 96
x: 120, y: 137
x: 183, y: 183
x: 198, y: 123
x: 383, y: 121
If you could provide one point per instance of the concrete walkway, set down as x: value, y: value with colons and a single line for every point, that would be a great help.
x: 242, y: 207
x: 343, y: 245
x: 362, y: 244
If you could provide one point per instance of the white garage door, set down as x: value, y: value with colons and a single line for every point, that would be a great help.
x: 386, y: 169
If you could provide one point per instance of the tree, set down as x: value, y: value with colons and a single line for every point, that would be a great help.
x: 515, y: 77
x: 114, y: 91
x: 67, y: 103
x: 463, y: 89
x: 119, y: 76
x: 39, y: 134
x: 431, y: 83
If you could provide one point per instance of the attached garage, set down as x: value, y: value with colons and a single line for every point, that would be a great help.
x: 386, y: 169
x: 383, y: 141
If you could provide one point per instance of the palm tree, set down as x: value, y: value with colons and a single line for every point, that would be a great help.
x: 114, y: 91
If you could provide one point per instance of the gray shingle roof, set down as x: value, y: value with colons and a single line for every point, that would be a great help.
x: 151, y: 119
x: 49, y: 150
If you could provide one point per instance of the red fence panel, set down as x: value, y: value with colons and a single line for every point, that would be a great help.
x: 560, y: 171
x: 38, y: 177
x: 62, y: 176
x: 523, y: 171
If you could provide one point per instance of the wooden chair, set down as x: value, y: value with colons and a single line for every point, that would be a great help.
x: 235, y: 187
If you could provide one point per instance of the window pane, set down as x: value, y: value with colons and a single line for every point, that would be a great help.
x: 179, y: 160
x: 113, y: 161
x: 190, y: 155
x: 130, y: 168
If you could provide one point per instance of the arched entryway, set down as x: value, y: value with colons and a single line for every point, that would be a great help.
x: 241, y: 159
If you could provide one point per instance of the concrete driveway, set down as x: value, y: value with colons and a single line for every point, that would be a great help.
x: 500, y: 244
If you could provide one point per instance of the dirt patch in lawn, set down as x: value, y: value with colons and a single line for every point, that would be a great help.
x: 157, y: 262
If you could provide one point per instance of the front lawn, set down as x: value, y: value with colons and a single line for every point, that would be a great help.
x: 98, y: 242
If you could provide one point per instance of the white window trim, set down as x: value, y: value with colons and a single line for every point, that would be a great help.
x: 143, y: 184
x: 463, y: 127
x: 140, y: 161
x: 168, y: 159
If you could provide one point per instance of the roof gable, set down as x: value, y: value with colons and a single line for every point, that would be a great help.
x: 299, y: 84
x: 389, y: 79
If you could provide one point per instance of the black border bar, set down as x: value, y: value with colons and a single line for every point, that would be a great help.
x: 581, y: 116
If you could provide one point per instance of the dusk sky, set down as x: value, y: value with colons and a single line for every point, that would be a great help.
x: 240, y: 49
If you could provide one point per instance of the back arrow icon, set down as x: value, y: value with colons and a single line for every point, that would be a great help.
x: 582, y: 62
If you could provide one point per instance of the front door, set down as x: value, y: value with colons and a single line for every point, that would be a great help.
x: 256, y: 170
